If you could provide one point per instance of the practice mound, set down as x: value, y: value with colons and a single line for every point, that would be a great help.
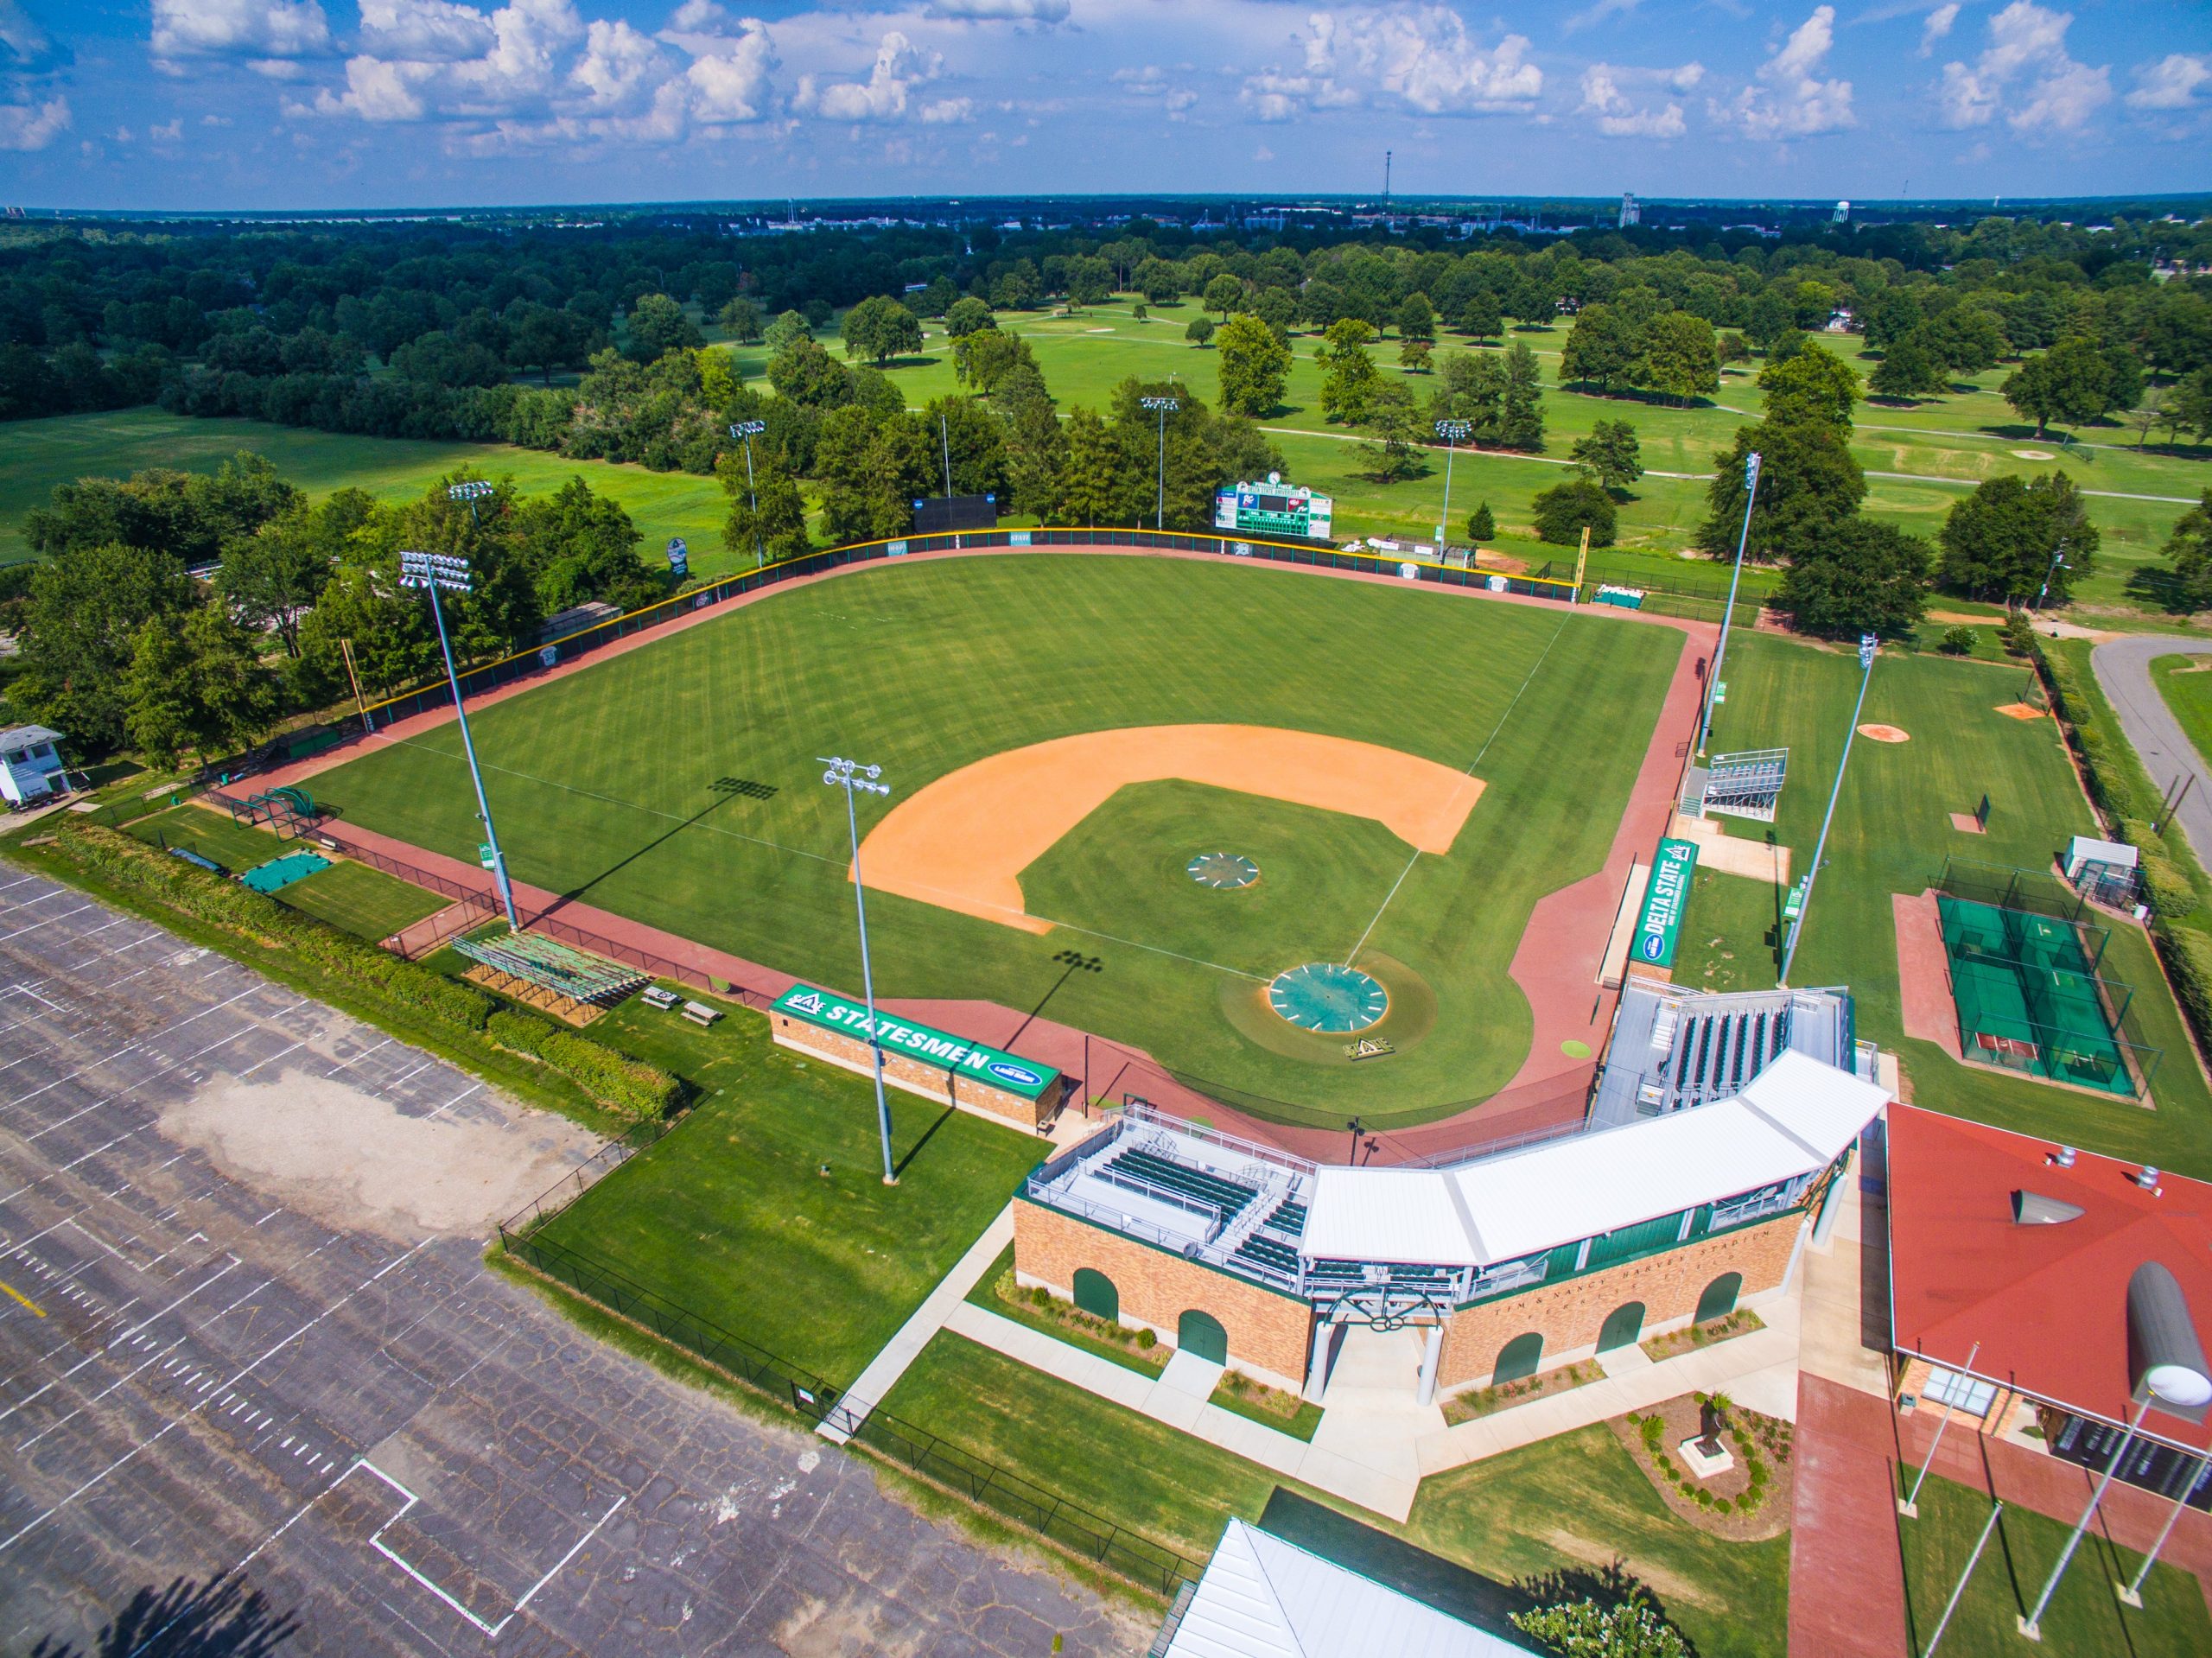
x: 2020, y: 711
x: 962, y: 843
x: 1884, y: 734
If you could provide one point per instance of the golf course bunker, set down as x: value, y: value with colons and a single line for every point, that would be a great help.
x: 962, y: 841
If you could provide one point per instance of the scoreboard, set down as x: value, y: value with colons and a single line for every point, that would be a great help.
x: 1273, y: 509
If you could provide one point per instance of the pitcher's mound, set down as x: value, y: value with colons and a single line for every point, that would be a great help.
x: 1884, y: 734
x: 2020, y: 711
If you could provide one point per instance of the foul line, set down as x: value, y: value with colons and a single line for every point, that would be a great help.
x: 1534, y: 669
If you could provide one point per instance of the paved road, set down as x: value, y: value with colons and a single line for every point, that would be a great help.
x: 2123, y: 669
x: 394, y: 1450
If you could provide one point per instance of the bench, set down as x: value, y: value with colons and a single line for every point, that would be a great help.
x: 699, y: 1014
x: 655, y: 996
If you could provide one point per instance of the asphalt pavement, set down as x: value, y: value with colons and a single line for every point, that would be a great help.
x: 2123, y: 670
x: 221, y: 1417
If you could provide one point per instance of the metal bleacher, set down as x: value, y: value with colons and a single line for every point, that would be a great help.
x: 1746, y: 784
x: 548, y: 965
x: 1674, y: 1049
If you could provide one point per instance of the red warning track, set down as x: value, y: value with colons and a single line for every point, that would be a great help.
x: 1556, y: 964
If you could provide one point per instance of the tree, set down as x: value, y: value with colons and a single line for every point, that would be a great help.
x: 809, y: 376
x: 1480, y: 318
x: 1583, y: 1629
x: 1395, y: 426
x: 1089, y: 488
x: 1224, y: 294
x: 1609, y: 454
x: 1770, y: 317
x: 1090, y: 281
x: 1254, y: 366
x: 1521, y: 415
x: 271, y: 578
x: 1863, y: 577
x: 1681, y: 359
x: 879, y: 329
x: 1276, y: 307
x: 1601, y: 346
x: 985, y: 358
x: 1813, y: 384
x: 1416, y: 317
x: 1018, y: 288
x: 1481, y: 526
x: 87, y: 606
x: 2148, y: 414
x: 1414, y: 355
x: 2070, y: 382
x: 1733, y: 348
x: 1349, y: 377
x: 546, y: 338
x: 1158, y: 281
x: 1998, y: 543
x: 1562, y: 511
x: 777, y: 529
x: 583, y: 547
x: 1808, y: 484
x: 1908, y: 369
x: 1200, y: 331
x: 1968, y: 338
x: 657, y: 325
x: 2190, y: 548
x: 195, y: 684
x: 742, y: 320
x: 786, y: 330
x: 968, y: 315
x: 1036, y: 447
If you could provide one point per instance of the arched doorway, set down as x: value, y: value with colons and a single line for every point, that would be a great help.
x: 1623, y: 1325
x: 1518, y: 1357
x: 1719, y: 1299
x: 1200, y: 1335
x: 1095, y: 1293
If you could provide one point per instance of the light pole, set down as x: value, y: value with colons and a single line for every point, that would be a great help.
x: 434, y: 571
x: 1867, y: 642
x: 1908, y: 1505
x: 1165, y: 406
x: 2057, y: 563
x: 472, y: 492
x: 1720, y: 650
x: 745, y: 431
x: 849, y: 775
x: 1450, y: 431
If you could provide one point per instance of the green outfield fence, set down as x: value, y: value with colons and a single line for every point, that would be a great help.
x: 981, y: 1481
x: 524, y: 664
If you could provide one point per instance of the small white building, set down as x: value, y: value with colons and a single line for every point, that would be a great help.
x: 30, y: 765
x: 2084, y: 850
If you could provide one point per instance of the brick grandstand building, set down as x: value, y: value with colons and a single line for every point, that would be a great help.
x: 1716, y: 1131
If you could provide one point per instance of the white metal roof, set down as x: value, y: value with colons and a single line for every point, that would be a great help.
x: 2089, y: 848
x: 1261, y: 1597
x: 1794, y: 1118
x: 20, y: 736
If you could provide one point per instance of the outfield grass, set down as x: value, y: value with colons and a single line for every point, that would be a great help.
x: 351, y: 896
x: 1891, y: 833
x: 1731, y: 936
x: 2084, y: 1617
x: 730, y: 1217
x: 604, y: 786
x: 2186, y: 684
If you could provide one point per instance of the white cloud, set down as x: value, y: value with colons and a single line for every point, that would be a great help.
x: 1150, y: 80
x: 258, y: 30
x: 33, y: 125
x: 1788, y: 98
x: 619, y: 66
x: 732, y: 85
x: 1419, y: 56
x: 901, y: 66
x: 2172, y: 83
x: 1620, y: 116
x: 25, y: 48
x: 1938, y: 26
x: 1020, y: 11
x: 1592, y: 16
x: 2027, y: 43
x: 423, y: 31
x: 168, y: 132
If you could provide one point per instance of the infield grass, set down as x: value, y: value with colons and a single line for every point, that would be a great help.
x: 729, y: 1215
x: 605, y: 786
x: 1891, y: 833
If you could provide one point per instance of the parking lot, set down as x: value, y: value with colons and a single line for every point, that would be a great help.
x: 246, y: 1336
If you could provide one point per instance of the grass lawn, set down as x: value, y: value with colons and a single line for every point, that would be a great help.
x: 2186, y: 684
x: 2085, y: 1617
x: 1145, y: 1361
x: 351, y: 896
x: 1891, y: 833
x: 729, y: 1217
x: 605, y: 784
x: 1731, y: 936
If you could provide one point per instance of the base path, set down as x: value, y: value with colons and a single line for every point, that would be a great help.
x: 2123, y: 670
x: 962, y: 841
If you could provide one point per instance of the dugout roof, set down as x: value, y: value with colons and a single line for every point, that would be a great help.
x: 2048, y: 1303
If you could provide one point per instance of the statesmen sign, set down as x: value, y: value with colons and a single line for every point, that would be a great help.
x: 831, y: 1011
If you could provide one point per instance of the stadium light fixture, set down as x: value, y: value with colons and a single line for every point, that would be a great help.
x: 2057, y: 563
x: 1720, y: 650
x: 849, y: 775
x: 1164, y: 407
x: 745, y: 431
x: 1453, y: 432
x: 472, y: 492
x: 1868, y: 645
x: 433, y: 571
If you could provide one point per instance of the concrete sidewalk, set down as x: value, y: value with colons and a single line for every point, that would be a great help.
x: 874, y: 1384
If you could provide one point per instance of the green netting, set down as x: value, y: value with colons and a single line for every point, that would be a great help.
x: 2029, y: 998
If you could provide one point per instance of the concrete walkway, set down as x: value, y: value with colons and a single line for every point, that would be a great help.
x: 2123, y: 670
x: 874, y: 1384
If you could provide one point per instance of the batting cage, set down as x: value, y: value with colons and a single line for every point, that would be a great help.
x: 2030, y: 998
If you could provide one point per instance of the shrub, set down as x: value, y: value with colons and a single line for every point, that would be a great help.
x: 2165, y: 889
x: 2018, y: 635
x: 2188, y: 956
x: 1722, y: 1505
x: 1704, y: 1497
x: 1562, y: 511
x: 615, y: 1079
x: 524, y: 1032
x: 1958, y: 641
x: 1147, y: 1339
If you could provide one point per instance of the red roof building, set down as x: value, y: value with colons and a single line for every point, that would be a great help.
x: 2036, y: 1291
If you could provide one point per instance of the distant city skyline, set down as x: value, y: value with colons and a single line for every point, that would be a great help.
x: 206, y: 104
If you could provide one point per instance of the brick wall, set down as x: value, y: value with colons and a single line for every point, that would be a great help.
x: 932, y: 1081
x: 1269, y: 1334
x: 1571, y: 1314
x: 1912, y: 1383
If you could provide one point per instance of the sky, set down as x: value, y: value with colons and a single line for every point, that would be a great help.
x: 208, y: 105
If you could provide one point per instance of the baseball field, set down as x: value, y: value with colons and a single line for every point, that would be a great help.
x: 1413, y: 770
